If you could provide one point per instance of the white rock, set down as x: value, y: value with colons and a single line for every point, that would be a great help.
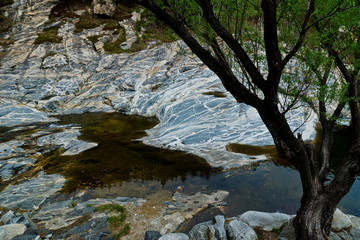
x: 267, y: 221
x: 238, y: 230
x: 174, y: 236
x: 8, y: 232
x: 340, y: 221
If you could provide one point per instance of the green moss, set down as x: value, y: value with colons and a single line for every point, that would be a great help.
x: 87, y: 22
x: 151, y: 29
x: 111, y: 24
x: 216, y: 94
x: 95, y: 38
x: 116, y: 222
x: 251, y: 150
x: 5, y: 23
x: 124, y: 231
x: 110, y: 208
x: 49, y: 35
x: 5, y: 42
x: 114, y: 47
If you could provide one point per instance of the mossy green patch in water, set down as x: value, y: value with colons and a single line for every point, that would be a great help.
x: 119, y: 156
x: 251, y: 150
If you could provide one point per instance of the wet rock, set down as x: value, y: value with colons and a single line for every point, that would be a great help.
x: 8, y: 232
x: 267, y: 221
x: 152, y: 235
x: 219, y: 226
x: 68, y: 140
x: 238, y: 230
x: 174, y: 236
x: 340, y: 221
x: 288, y: 233
x: 199, y: 231
x: 17, y: 165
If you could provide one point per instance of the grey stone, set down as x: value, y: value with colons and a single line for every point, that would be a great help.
x: 344, y: 235
x: 199, y: 231
x: 152, y: 235
x: 288, y: 233
x: 8, y: 232
x: 355, y: 233
x: 267, y: 221
x: 174, y: 236
x: 340, y: 221
x: 27, y: 237
x: 96, y: 228
x: 7, y: 217
x: 219, y: 226
x: 238, y: 230
x: 334, y: 236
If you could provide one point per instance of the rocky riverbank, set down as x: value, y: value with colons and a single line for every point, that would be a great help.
x: 74, y: 73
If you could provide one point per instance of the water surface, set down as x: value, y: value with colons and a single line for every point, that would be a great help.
x: 123, y: 166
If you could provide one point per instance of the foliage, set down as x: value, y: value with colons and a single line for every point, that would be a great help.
x: 110, y: 208
x: 49, y: 35
x: 116, y: 222
x: 114, y: 47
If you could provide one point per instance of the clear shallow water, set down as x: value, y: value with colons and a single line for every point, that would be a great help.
x: 122, y: 166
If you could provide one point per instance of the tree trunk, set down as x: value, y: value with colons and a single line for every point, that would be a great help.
x: 313, y: 219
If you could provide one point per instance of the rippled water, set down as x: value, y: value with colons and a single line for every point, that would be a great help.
x: 123, y: 166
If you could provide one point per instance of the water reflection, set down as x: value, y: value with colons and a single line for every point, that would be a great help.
x: 119, y: 157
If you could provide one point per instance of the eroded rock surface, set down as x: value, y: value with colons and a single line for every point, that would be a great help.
x: 196, y: 113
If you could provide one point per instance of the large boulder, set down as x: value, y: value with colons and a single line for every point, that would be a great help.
x: 238, y: 230
x: 267, y: 221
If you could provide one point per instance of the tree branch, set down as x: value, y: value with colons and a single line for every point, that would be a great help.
x: 219, y: 67
x: 234, y: 45
x: 273, y: 54
x: 304, y: 29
